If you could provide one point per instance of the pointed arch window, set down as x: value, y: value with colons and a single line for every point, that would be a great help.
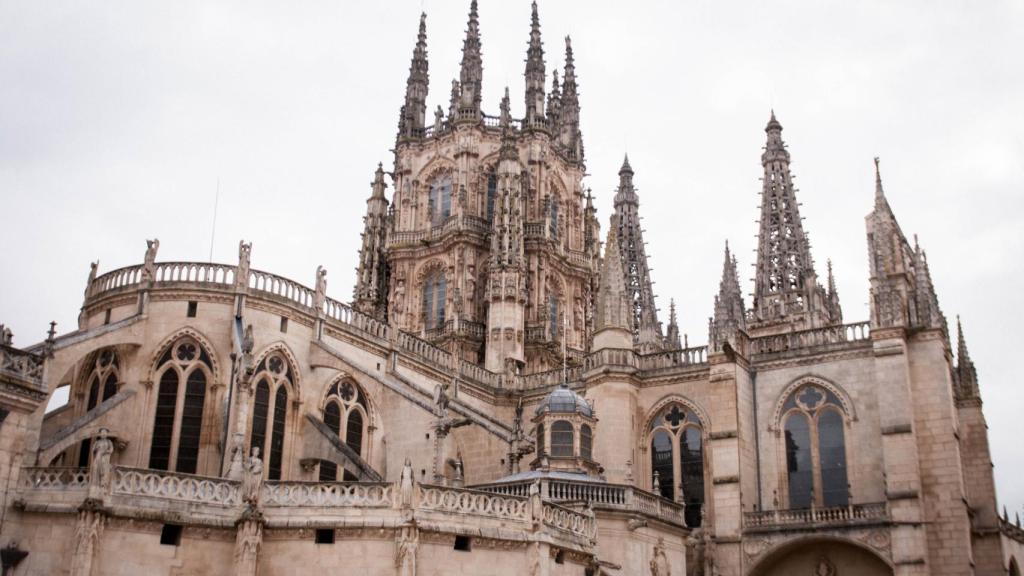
x: 553, y: 316
x: 677, y: 459
x: 553, y: 224
x: 440, y: 199
x: 435, y: 288
x: 184, y: 372
x: 346, y: 413
x: 274, y: 381
x: 103, y: 379
x: 814, y: 435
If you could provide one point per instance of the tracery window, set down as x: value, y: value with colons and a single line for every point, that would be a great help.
x: 435, y: 288
x: 815, y: 444
x: 183, y: 373
x: 347, y: 414
x: 553, y: 316
x: 100, y: 384
x: 440, y: 199
x: 561, y: 438
x: 274, y: 381
x: 677, y: 458
x: 553, y: 225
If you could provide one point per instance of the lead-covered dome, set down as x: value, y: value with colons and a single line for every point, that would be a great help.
x: 562, y: 400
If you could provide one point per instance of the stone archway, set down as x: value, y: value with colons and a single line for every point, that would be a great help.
x: 821, y: 556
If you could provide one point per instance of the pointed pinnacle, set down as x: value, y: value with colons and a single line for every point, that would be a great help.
x: 773, y: 124
x: 625, y: 166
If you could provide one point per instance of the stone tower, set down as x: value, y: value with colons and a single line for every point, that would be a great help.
x: 491, y: 245
x: 787, y: 295
x: 644, y: 316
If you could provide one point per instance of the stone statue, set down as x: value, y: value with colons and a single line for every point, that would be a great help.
x: 100, y: 472
x: 248, y: 342
x: 441, y: 400
x: 825, y: 567
x: 659, y: 561
x: 406, y: 484
x: 438, y: 118
x: 149, y: 262
x: 93, y: 266
x: 237, y: 469
x: 6, y: 336
x: 244, y: 255
x: 253, y: 479
x: 321, y: 288
x: 405, y: 552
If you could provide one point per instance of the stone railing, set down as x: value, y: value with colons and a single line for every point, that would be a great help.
x: 475, y: 330
x: 175, y: 486
x: 569, y: 520
x: 463, y: 223
x: 549, y: 378
x: 809, y: 339
x: 115, y: 279
x: 424, y: 350
x: 21, y: 365
x: 54, y: 478
x: 319, y: 494
x: 194, y: 272
x: 621, y: 357
x: 835, y: 516
x: 481, y: 375
x: 693, y: 356
x: 344, y: 314
x: 281, y: 287
x: 599, y: 494
x: 1010, y: 529
x: 462, y: 501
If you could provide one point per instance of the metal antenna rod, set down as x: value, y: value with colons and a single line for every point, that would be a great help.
x: 565, y: 336
x: 213, y: 228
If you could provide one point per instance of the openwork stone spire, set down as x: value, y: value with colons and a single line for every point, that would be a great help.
x: 672, y: 339
x: 472, y: 71
x: 414, y: 111
x: 785, y: 285
x: 569, y: 111
x: 535, y: 73
x: 613, y: 308
x: 730, y: 314
x: 555, y: 104
x: 637, y: 275
x: 371, y: 289
x: 835, y: 311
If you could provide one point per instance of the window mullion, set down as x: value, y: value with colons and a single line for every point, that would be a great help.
x: 179, y: 409
x: 817, y: 492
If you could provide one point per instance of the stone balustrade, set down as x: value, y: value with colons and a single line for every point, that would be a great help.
x: 175, y: 486
x: 600, y: 495
x: 813, y: 339
x: 327, y: 495
x: 21, y: 366
x: 194, y: 272
x: 462, y: 501
x: 274, y: 285
x: 452, y: 225
x: 692, y: 356
x: 836, y: 516
x: 569, y: 520
x: 47, y: 478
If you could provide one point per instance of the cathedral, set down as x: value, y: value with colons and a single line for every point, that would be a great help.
x: 500, y: 396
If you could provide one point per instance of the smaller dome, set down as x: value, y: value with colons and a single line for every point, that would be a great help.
x: 562, y: 400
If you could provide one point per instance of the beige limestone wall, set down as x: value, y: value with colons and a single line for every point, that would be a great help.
x: 634, y: 549
x: 48, y: 539
x: 806, y: 559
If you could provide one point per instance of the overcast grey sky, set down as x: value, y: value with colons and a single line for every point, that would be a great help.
x: 118, y: 119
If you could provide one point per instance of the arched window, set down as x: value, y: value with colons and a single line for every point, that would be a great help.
x: 815, y: 443
x: 183, y: 371
x: 102, y: 380
x: 274, y: 380
x: 553, y: 316
x: 440, y: 199
x: 586, y: 442
x: 346, y: 413
x: 561, y: 439
x: 553, y: 225
x: 435, y: 288
x: 677, y: 458
x: 492, y: 194
x: 540, y: 440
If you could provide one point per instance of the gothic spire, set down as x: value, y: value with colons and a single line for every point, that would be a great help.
x: 371, y: 288
x: 535, y: 73
x: 472, y: 70
x: 730, y: 314
x: 414, y: 111
x: 832, y: 296
x: 637, y: 275
x: 613, y: 298
x: 785, y: 286
x: 569, y: 110
x: 555, y: 104
x: 672, y: 341
x: 966, y: 374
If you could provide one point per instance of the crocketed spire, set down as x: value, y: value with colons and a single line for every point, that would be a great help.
x: 412, y: 119
x: 569, y: 111
x: 966, y: 374
x: 612, y: 299
x: 730, y: 314
x: 535, y: 73
x: 471, y: 72
x: 371, y: 289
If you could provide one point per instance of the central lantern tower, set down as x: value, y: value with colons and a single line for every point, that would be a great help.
x: 489, y: 246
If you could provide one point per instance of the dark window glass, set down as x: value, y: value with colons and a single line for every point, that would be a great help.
x: 691, y: 460
x: 540, y: 439
x: 163, y: 422
x: 193, y: 307
x: 191, y: 423
x: 170, y: 535
x: 661, y: 464
x: 434, y: 293
x: 94, y: 393
x: 328, y: 471
x: 277, y: 440
x: 441, y: 200
x: 260, y: 407
x: 441, y: 293
x: 798, y: 461
x: 349, y: 477
x: 553, y: 316
x: 84, y: 453
x: 554, y: 219
x: 332, y: 417
x: 586, y: 442
x: 492, y: 192
x: 832, y: 459
x: 110, y: 386
x: 354, y: 432
x: 561, y: 438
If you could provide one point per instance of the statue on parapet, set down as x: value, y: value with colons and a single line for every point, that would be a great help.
x: 101, y: 470
x: 253, y: 480
x: 244, y: 255
x: 149, y: 262
x: 320, y: 296
x: 93, y: 266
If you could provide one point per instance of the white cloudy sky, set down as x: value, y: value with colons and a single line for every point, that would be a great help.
x: 118, y: 119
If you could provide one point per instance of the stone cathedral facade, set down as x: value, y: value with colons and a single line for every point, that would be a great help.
x: 501, y: 397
